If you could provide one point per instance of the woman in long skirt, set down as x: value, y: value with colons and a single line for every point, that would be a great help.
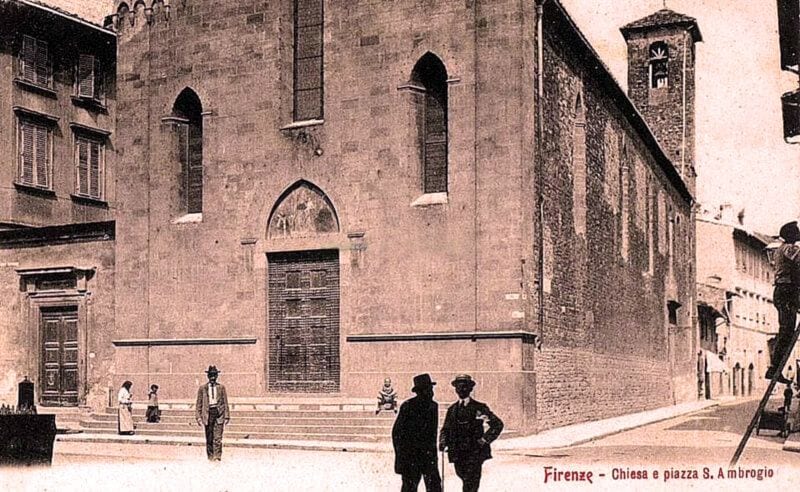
x: 125, y: 415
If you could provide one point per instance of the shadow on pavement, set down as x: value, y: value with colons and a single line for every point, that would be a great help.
x: 733, y: 418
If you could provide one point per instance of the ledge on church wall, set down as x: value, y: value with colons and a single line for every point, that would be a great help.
x: 194, y: 218
x: 302, y: 124
x: 430, y: 199
x: 154, y: 342
x: 525, y: 336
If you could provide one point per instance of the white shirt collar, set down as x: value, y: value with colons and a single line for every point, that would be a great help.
x: 464, y: 401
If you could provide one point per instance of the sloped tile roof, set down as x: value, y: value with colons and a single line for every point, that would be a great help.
x: 58, y: 9
x: 664, y: 17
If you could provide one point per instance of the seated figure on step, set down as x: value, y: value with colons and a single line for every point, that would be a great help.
x: 387, y: 397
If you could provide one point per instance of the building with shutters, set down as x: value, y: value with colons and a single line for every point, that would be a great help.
x: 736, y: 316
x: 319, y: 195
x: 57, y: 196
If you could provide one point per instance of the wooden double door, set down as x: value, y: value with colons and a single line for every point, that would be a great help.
x: 59, y: 356
x: 303, y: 321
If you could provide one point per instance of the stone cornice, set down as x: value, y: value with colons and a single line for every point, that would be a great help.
x: 61, y: 234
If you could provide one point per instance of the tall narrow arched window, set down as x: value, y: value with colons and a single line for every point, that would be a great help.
x: 659, y: 65
x: 309, y: 20
x: 579, y: 168
x: 188, y: 113
x: 430, y: 76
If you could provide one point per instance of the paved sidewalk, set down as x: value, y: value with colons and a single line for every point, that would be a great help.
x: 368, y: 447
x: 572, y: 435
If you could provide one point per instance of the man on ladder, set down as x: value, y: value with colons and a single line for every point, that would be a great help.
x: 785, y: 295
x: 786, y: 298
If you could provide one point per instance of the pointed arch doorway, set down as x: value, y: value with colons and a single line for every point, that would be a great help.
x: 303, y: 293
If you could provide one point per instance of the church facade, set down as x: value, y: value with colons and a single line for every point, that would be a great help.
x: 319, y: 195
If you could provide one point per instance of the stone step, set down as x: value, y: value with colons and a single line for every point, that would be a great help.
x: 279, y: 436
x: 167, y: 419
x: 251, y: 428
x: 291, y: 404
x: 265, y: 413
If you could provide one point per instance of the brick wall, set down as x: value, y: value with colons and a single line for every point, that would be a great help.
x: 663, y: 108
x: 608, y: 348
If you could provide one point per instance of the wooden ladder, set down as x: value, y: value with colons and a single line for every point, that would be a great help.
x: 764, y: 400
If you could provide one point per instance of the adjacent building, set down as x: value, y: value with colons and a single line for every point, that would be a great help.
x: 57, y: 201
x: 319, y: 195
x: 736, y: 317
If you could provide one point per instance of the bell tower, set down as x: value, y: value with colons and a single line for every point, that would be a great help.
x: 661, y: 82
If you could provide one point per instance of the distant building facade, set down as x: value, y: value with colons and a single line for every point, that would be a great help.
x: 736, y: 317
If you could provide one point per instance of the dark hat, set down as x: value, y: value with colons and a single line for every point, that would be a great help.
x: 212, y: 370
x: 790, y: 232
x: 153, y: 386
x: 463, y: 378
x: 422, y: 381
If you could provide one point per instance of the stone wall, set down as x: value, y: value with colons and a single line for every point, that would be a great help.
x: 20, y: 315
x: 607, y: 345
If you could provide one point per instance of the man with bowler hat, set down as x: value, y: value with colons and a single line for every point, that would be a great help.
x: 463, y: 436
x: 212, y: 412
x: 414, y: 438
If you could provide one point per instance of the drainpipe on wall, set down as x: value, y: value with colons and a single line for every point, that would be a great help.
x: 476, y: 222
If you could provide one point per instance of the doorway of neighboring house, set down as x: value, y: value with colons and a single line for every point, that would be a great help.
x: 304, y: 321
x: 59, y: 356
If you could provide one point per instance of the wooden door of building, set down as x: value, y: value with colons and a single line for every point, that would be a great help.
x: 303, y: 321
x: 59, y: 370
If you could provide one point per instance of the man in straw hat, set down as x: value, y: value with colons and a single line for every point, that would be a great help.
x: 414, y: 438
x: 463, y: 434
x: 212, y: 412
x: 785, y: 295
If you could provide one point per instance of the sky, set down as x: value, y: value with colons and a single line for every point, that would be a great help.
x: 741, y: 156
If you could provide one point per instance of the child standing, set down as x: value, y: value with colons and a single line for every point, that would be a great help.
x: 153, y: 413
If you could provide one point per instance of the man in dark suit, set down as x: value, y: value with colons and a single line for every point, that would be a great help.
x: 463, y: 436
x: 414, y: 438
x: 212, y: 412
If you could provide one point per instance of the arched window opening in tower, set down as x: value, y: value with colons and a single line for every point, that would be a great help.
x: 659, y: 65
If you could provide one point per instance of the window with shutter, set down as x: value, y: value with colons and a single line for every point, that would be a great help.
x: 431, y: 76
x: 26, y: 154
x: 27, y: 59
x: 308, y: 60
x: 34, y: 62
x: 43, y: 73
x: 82, y: 158
x: 34, y: 153
x: 89, y: 154
x: 86, y: 76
